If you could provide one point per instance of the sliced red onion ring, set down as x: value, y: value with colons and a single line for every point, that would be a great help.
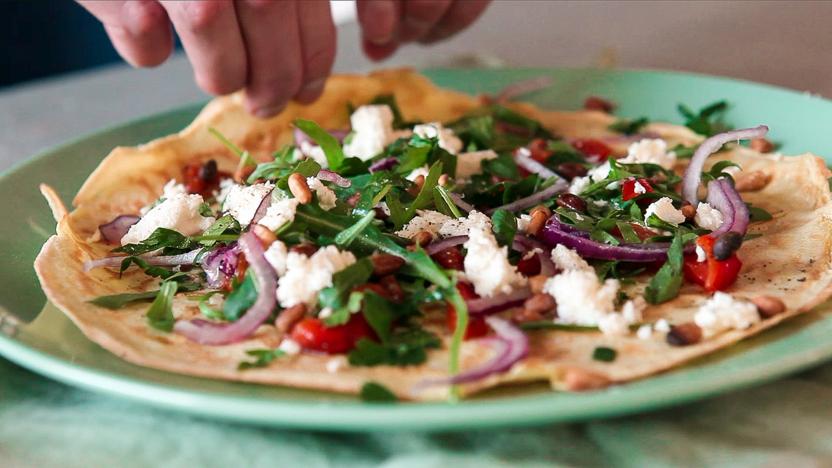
x: 509, y: 347
x: 221, y: 263
x: 533, y: 199
x: 462, y: 204
x: 588, y: 248
x: 262, y: 208
x: 693, y: 174
x: 187, y: 258
x: 113, y: 231
x: 447, y: 243
x: 301, y: 137
x: 383, y: 164
x: 724, y: 197
x: 523, y: 159
x: 520, y: 88
x: 334, y: 177
x: 213, y: 333
x: 491, y: 305
x: 556, y: 223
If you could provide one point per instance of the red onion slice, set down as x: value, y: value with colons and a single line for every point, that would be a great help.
x: 520, y: 88
x: 588, y: 248
x: 491, y: 305
x: 187, y: 258
x: 724, y: 197
x: 693, y: 174
x: 440, y: 245
x: 113, y: 231
x: 221, y: 263
x: 533, y: 199
x: 262, y: 208
x: 523, y: 159
x: 383, y: 164
x: 213, y: 333
x: 334, y: 177
x: 462, y: 204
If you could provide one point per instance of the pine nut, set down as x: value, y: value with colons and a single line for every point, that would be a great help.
x: 422, y: 238
x: 762, y: 145
x: 265, y: 235
x: 751, y: 181
x: 385, y: 264
x: 684, y: 334
x: 536, y: 283
x: 576, y: 379
x: 299, y: 188
x: 768, y: 306
x: 289, y: 317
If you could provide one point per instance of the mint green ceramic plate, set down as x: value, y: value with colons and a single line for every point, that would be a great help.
x: 38, y: 337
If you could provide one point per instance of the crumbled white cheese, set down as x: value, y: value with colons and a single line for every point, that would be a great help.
x: 662, y: 326
x: 419, y: 171
x: 566, y: 259
x: 336, y: 363
x: 469, y: 164
x: 579, y: 184
x: 708, y: 217
x: 581, y: 298
x: 600, y: 172
x: 425, y: 220
x: 722, y: 312
x: 462, y: 226
x: 645, y: 332
x: 601, y: 203
x: 653, y: 151
x: 173, y: 188
x: 663, y: 208
x: 326, y: 196
x: 638, y: 189
x: 632, y: 310
x: 306, y: 276
x: 224, y: 189
x: 372, y: 131
x: 487, y: 266
x: 242, y: 201
x: 325, y: 313
x: 701, y: 256
x: 523, y: 222
x: 276, y: 256
x: 313, y: 151
x: 448, y: 141
x: 281, y: 211
x: 179, y: 213
x: 613, y: 324
x: 289, y: 346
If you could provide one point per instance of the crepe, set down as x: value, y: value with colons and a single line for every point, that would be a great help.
x: 791, y: 260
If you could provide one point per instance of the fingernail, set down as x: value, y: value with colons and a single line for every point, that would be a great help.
x: 314, y: 86
x: 268, y: 111
x: 380, y: 41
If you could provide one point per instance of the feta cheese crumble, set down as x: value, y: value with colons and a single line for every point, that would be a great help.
x: 276, y: 256
x: 708, y: 217
x: 523, y: 222
x: 315, y: 152
x: 173, y: 188
x: 645, y: 332
x: 242, y: 201
x: 722, y: 312
x: 487, y: 266
x: 372, y: 128
x: 600, y: 173
x: 581, y: 298
x: 663, y: 209
x: 463, y: 226
x: 281, y: 211
x: 638, y: 188
x: 567, y: 259
x: 326, y: 196
x: 701, y: 256
x: 419, y: 171
x: 448, y: 141
x: 650, y: 151
x: 306, y: 276
x: 289, y: 346
x: 179, y: 213
x: 579, y: 184
x: 469, y: 164
x: 425, y: 220
x: 662, y: 326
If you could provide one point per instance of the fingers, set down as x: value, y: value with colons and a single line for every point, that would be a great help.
x: 139, y: 30
x: 420, y: 16
x: 275, y: 66
x: 317, y: 35
x: 211, y: 37
x: 379, y: 20
x: 459, y: 16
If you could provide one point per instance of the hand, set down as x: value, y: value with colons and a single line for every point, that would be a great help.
x: 276, y: 50
x: 386, y: 24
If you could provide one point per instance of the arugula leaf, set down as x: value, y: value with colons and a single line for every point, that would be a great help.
x: 425, y: 195
x: 224, y: 225
x: 708, y: 120
x: 550, y: 325
x: 118, y: 301
x: 160, y: 313
x: 379, y: 314
x: 274, y: 169
x: 208, y: 311
x: 504, y: 225
x: 245, y: 157
x: 446, y: 202
x: 263, y: 358
x: 147, y: 268
x: 398, y: 213
x: 683, y: 152
x: 717, y: 170
x: 376, y: 393
x: 403, y: 348
x: 345, y: 237
x: 240, y: 299
x: 161, y: 238
x: 604, y: 354
x: 665, y: 285
x: 628, y: 126
x: 758, y: 214
x: 328, y: 143
x: 461, y: 311
x: 338, y: 295
x: 501, y: 166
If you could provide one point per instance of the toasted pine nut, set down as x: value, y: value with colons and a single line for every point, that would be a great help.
x: 443, y: 180
x: 385, y: 264
x: 418, y: 182
x: 536, y: 283
x: 299, y: 188
x: 751, y: 181
x: 265, y: 235
x: 576, y: 379
x: 289, y: 317
x: 242, y: 173
x: 535, y: 225
x: 422, y: 238
x: 684, y: 334
x: 688, y: 210
x: 768, y: 306
x: 542, y: 208
x: 762, y: 145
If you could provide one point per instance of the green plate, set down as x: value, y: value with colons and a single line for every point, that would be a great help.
x: 40, y: 338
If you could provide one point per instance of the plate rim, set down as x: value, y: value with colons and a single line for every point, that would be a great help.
x: 502, y: 411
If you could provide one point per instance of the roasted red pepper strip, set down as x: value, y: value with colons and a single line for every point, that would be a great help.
x: 312, y: 333
x: 539, y: 150
x: 628, y: 188
x: 712, y: 274
x: 476, y: 325
x: 592, y: 147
